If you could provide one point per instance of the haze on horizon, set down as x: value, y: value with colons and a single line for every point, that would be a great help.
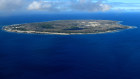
x: 57, y: 6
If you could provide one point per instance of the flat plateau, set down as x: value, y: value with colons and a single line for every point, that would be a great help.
x: 68, y: 27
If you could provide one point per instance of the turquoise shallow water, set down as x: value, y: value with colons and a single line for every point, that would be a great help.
x: 94, y: 56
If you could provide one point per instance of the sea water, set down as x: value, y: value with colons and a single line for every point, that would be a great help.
x: 94, y: 56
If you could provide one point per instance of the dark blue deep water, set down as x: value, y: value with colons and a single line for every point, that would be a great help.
x: 95, y: 56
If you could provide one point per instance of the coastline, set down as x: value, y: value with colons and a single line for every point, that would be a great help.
x: 4, y: 28
x: 55, y: 33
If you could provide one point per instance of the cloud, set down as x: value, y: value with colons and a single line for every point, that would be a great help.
x: 125, y: 6
x: 10, y: 5
x: 53, y: 5
x: 90, y: 6
x: 71, y: 5
x: 38, y: 5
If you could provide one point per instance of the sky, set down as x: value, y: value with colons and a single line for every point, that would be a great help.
x: 125, y: 1
x: 57, y: 6
x: 126, y: 5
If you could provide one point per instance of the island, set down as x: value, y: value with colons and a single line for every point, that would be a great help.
x: 68, y: 27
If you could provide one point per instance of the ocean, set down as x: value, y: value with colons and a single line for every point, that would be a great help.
x: 94, y: 56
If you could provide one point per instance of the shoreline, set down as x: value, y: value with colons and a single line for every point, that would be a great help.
x: 4, y: 28
x: 55, y: 33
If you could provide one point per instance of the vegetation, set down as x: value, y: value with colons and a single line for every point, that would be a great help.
x: 68, y: 26
x: 48, y: 26
x: 74, y: 28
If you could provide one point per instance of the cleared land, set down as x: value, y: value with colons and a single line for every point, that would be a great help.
x: 68, y: 27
